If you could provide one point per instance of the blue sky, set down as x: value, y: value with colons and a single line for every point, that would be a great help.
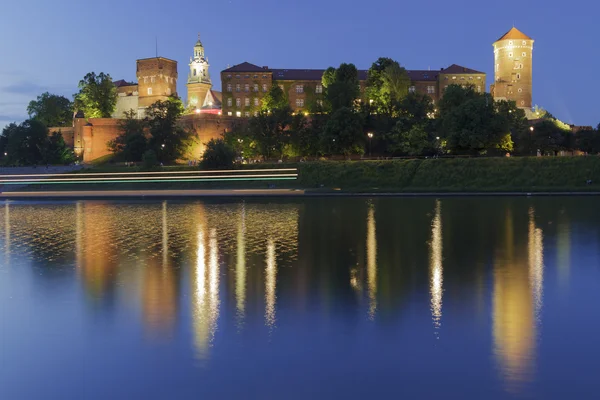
x: 51, y: 45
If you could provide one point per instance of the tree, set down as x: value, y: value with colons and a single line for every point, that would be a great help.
x: 342, y: 89
x: 97, y: 96
x: 51, y: 110
x: 588, y: 141
x: 275, y: 99
x: 387, y: 84
x: 471, y: 124
x: 550, y: 137
x: 218, y: 154
x: 268, y: 132
x: 132, y: 143
x: 395, y: 83
x: 343, y: 133
x: 168, y: 140
x: 413, y: 142
x: 29, y: 144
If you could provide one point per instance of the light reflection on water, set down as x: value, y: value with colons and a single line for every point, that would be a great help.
x: 215, y: 274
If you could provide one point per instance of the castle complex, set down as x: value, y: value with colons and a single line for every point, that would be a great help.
x: 211, y: 113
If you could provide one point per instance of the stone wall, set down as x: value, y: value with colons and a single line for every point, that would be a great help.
x: 68, y: 134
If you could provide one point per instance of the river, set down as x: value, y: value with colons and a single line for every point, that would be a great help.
x: 478, y: 297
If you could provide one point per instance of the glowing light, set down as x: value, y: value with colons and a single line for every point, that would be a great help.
x: 240, y: 268
x: 372, y: 261
x: 536, y: 263
x: 270, y: 285
x: 159, y: 172
x: 155, y: 180
x: 370, y: 135
x: 238, y: 114
x: 436, y: 279
x: 144, y: 178
x: 197, y: 111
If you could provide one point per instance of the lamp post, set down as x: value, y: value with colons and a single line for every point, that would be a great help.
x: 370, y: 135
x: 531, y: 129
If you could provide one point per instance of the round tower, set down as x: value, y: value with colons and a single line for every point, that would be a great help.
x: 199, y: 82
x: 513, y: 68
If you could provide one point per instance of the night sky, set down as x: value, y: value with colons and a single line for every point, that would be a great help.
x: 50, y: 45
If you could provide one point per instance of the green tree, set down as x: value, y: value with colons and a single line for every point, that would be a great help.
x: 387, y: 84
x: 56, y: 150
x: 275, y: 99
x: 343, y: 90
x: 588, y: 141
x: 328, y: 77
x: 343, y: 133
x: 168, y: 140
x: 518, y: 125
x: 550, y: 137
x: 132, y: 143
x: 218, y: 155
x: 395, y: 83
x: 414, y: 142
x: 51, y: 110
x: 97, y: 96
x: 268, y: 132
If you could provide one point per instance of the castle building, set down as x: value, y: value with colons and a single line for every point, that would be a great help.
x: 513, y: 68
x: 198, y: 84
x: 244, y: 85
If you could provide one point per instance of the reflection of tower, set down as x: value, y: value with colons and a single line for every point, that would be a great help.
x: 240, y: 268
x: 436, y: 272
x: 513, y: 68
x: 7, y: 234
x: 270, y: 285
x: 372, y: 261
x: 198, y: 83
x: 517, y: 295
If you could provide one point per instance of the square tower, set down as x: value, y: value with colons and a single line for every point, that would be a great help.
x: 157, y: 80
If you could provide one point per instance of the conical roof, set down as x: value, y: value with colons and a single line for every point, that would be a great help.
x: 514, y: 33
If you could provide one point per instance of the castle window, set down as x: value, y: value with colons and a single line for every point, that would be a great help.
x: 255, y: 76
x: 247, y: 102
x: 264, y: 77
x: 299, y: 88
x: 478, y: 88
x: 238, y: 87
x: 238, y: 114
x: 319, y: 89
x: 168, y: 91
x: 264, y: 87
x: 229, y: 76
x: 470, y: 78
x: 152, y: 80
x: 478, y: 78
x: 497, y: 67
x: 430, y: 89
x: 510, y: 54
x: 247, y: 76
x: 229, y: 113
x: 299, y: 102
x: 510, y: 43
x: 412, y: 89
x: 229, y: 102
x: 246, y: 87
x: 256, y: 101
x: 523, y: 54
x: 256, y: 113
x: 518, y: 76
x: 237, y: 77
x: 229, y: 87
x: 145, y: 79
x: 520, y: 90
x: 522, y: 103
x: 247, y: 114
x: 238, y: 102
x: 256, y: 87
x: 524, y: 42
x: 194, y: 72
x: 454, y: 77
x: 149, y: 91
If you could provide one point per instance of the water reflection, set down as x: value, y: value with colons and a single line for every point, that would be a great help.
x: 240, y: 268
x: 436, y: 279
x: 517, y: 300
x: 270, y: 285
x: 372, y: 261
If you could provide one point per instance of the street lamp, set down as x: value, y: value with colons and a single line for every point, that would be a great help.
x: 370, y: 135
x: 531, y: 129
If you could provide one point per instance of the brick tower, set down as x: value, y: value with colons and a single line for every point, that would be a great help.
x: 513, y: 68
x: 198, y: 83
x: 157, y: 80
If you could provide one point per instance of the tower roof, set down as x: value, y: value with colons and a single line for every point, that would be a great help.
x: 198, y: 43
x: 514, y: 33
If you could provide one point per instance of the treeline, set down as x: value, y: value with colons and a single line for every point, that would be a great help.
x: 388, y: 120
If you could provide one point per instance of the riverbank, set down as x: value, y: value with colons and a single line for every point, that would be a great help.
x: 473, y: 176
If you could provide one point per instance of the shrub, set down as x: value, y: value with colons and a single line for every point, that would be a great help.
x: 218, y: 154
x: 149, y: 159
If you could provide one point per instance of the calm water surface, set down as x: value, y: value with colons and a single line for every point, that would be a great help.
x: 479, y: 298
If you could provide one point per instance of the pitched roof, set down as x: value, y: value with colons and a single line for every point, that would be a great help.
x: 307, y: 74
x: 122, y: 82
x: 422, y: 75
x: 212, y: 101
x: 457, y: 69
x: 514, y: 33
x: 217, y: 95
x: 246, y: 67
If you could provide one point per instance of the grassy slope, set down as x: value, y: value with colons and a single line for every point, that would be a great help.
x: 523, y: 174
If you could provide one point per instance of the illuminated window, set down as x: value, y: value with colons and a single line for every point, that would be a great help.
x: 454, y: 77
x: 229, y: 113
x: 256, y: 101
x: 497, y: 67
x: 229, y: 76
x: 264, y: 87
x: 246, y: 87
x: 319, y: 89
x: 299, y: 102
x: 229, y: 87
x: 430, y: 89
x: 412, y: 89
x: 510, y: 43
x: 238, y: 102
x: 478, y: 78
x: 320, y: 103
x: 520, y: 90
x: 524, y: 42
x: 238, y: 87
x: 247, y: 102
x: 229, y: 102
x: 247, y: 114
x: 299, y: 88
x: 256, y: 87
x: 238, y: 114
x: 149, y: 91
x: 478, y: 88
x: 145, y: 79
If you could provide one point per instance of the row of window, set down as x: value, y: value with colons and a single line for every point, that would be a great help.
x: 150, y: 91
x: 511, y: 54
x: 247, y: 76
x: 524, y: 43
x: 255, y: 88
x: 153, y: 79
x: 238, y: 102
x: 430, y: 89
